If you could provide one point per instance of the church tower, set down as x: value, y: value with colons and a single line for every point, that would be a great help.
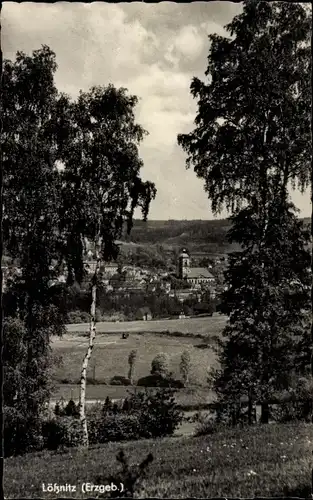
x: 183, y: 264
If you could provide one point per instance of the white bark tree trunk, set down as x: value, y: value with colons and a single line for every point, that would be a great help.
x: 92, y: 336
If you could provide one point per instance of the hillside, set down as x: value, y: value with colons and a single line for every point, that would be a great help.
x: 272, y: 460
x: 179, y: 232
x: 208, y: 236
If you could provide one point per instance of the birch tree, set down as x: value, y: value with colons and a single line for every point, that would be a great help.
x: 101, y: 188
x: 252, y: 139
x: 31, y: 202
x: 253, y: 126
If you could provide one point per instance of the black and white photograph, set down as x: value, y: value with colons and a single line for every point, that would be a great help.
x: 156, y: 256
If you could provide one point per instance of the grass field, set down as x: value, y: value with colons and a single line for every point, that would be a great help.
x: 205, y: 325
x: 110, y: 354
x: 184, y: 397
x: 262, y: 461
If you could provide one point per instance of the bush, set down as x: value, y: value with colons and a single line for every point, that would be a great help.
x: 158, y: 413
x: 71, y: 410
x: 292, y: 411
x: 185, y: 365
x: 157, y: 380
x: 160, y: 365
x: 21, y: 434
x: 66, y: 410
x: 78, y: 317
x: 147, y: 415
x: 61, y: 431
x: 301, y: 408
x: 109, y: 427
x: 208, y: 425
x: 120, y: 380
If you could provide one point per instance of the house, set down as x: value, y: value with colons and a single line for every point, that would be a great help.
x: 110, y: 268
x: 144, y: 314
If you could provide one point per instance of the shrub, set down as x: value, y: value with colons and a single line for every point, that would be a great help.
x: 111, y: 427
x: 208, y: 425
x: 157, y: 380
x: 120, y: 380
x: 299, y: 409
x: 158, y: 412
x: 61, y: 431
x: 185, y: 365
x: 53, y: 433
x: 147, y: 415
x: 160, y: 365
x: 107, y: 404
x: 21, y: 434
x: 292, y: 410
x: 71, y: 410
x: 78, y: 317
x: 66, y: 410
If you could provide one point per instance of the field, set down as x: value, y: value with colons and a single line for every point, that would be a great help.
x: 191, y: 396
x: 272, y: 460
x: 110, y: 354
x: 204, y: 325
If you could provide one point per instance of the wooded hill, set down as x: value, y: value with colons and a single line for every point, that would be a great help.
x: 197, y: 235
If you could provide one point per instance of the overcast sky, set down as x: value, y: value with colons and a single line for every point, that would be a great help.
x: 154, y: 50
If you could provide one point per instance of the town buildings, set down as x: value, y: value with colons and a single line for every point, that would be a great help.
x: 193, y: 275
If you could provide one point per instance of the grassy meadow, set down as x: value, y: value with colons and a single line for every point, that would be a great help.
x: 110, y: 354
x: 201, y: 325
x: 272, y: 460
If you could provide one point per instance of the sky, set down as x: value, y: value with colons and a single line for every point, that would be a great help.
x: 154, y: 50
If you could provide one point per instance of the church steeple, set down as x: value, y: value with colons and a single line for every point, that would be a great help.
x: 183, y: 264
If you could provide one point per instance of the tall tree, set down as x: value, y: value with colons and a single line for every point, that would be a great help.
x: 31, y: 200
x: 101, y: 187
x: 252, y: 142
x: 267, y: 337
x: 253, y: 126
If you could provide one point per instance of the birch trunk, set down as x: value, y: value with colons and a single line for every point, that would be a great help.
x: 92, y: 336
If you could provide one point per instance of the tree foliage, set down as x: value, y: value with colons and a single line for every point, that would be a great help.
x: 131, y: 362
x: 267, y: 335
x: 71, y: 172
x: 250, y: 144
x: 160, y: 365
x: 185, y: 364
x: 31, y: 200
x: 253, y: 126
x: 101, y: 179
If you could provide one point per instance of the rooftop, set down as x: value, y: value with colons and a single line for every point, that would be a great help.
x: 200, y: 272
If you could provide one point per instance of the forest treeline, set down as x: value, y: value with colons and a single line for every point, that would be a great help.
x: 205, y: 235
